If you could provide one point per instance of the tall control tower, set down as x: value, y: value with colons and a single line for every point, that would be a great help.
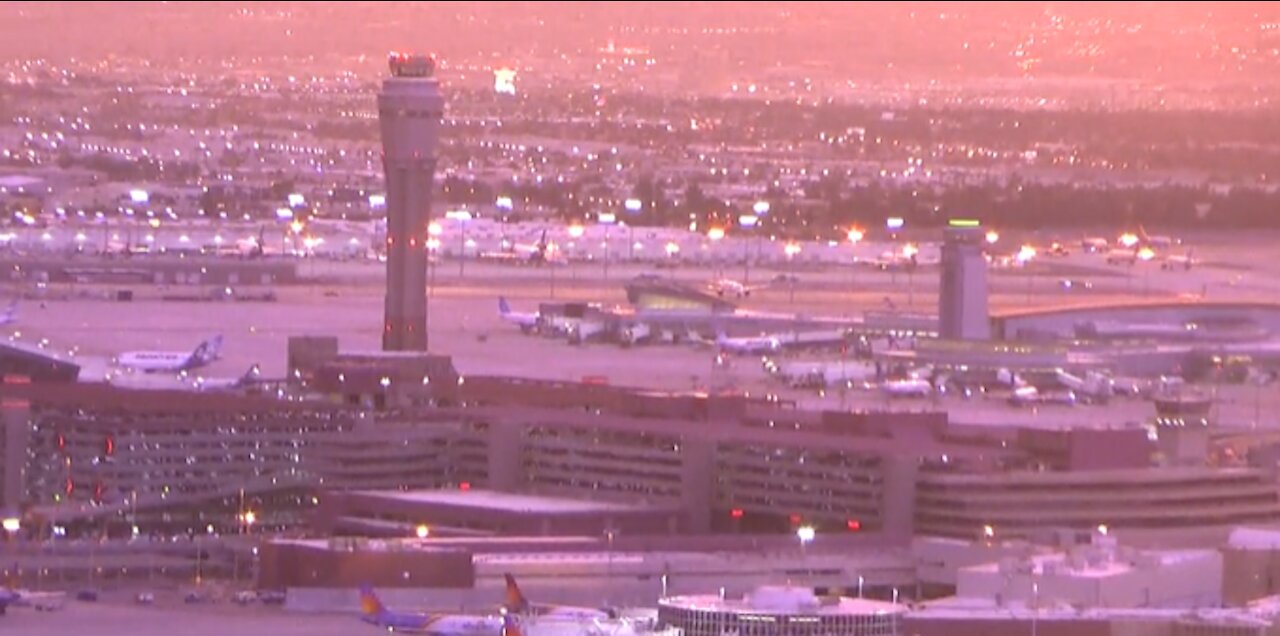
x: 410, y: 107
x: 962, y: 298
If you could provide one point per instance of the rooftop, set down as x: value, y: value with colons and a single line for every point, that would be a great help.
x: 785, y: 601
x: 504, y: 502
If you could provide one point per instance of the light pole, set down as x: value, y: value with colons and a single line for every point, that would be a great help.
x: 463, y: 217
x: 911, y: 252
x: 575, y: 234
x: 792, y: 249
x: 607, y: 219
x: 715, y: 235
x: 855, y: 236
x: 12, y: 524
x: 434, y: 230
x: 749, y: 222
x: 1025, y: 255
x: 1145, y: 255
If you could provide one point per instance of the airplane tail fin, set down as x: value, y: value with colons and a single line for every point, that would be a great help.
x: 370, y: 604
x: 515, y: 600
x: 208, y: 350
x: 504, y: 307
x: 251, y: 375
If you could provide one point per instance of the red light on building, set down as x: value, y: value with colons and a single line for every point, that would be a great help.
x: 111, y: 446
x: 71, y: 487
x: 795, y: 520
x: 854, y: 525
x: 464, y: 486
x: 736, y: 513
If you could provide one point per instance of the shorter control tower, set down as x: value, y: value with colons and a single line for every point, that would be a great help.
x: 410, y: 107
x: 962, y: 298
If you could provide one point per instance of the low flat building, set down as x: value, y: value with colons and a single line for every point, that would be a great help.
x: 475, y: 512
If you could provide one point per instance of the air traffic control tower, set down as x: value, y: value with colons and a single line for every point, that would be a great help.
x: 962, y: 299
x: 410, y: 107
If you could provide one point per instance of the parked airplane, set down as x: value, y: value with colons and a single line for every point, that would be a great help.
x: 10, y: 314
x: 526, y: 321
x: 374, y: 612
x: 1027, y: 395
x: 907, y: 388
x: 516, y: 603
x: 155, y: 361
x: 539, y: 253
x: 1094, y: 244
x: 729, y: 287
x: 1156, y: 240
x: 1178, y: 262
x: 751, y: 344
x: 41, y: 601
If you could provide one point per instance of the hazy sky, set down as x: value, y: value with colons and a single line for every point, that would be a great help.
x: 1181, y: 40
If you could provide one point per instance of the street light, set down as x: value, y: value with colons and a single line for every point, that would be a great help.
x: 607, y: 219
x: 422, y: 531
x: 992, y: 237
x: 11, y: 524
x: 1025, y: 254
x: 716, y: 234
x: 1128, y: 239
x: 855, y: 236
x: 792, y: 249
x: 750, y: 222
x: 462, y: 217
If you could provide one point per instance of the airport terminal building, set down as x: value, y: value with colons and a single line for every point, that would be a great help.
x: 97, y: 456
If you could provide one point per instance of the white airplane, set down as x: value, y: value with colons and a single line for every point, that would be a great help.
x: 753, y: 344
x: 528, y: 322
x: 516, y: 603
x: 374, y: 612
x: 41, y: 601
x: 228, y: 384
x: 543, y: 252
x: 1028, y: 395
x: 729, y: 287
x: 156, y: 361
x: 907, y: 388
x: 1123, y: 256
x: 10, y: 313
